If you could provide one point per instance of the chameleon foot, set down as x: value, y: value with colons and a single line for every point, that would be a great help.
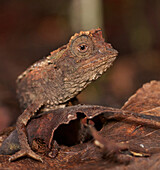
x: 25, y: 152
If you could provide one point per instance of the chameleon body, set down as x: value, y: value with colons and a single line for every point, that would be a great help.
x: 53, y: 81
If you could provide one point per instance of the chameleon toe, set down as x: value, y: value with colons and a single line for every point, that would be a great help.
x: 28, y: 153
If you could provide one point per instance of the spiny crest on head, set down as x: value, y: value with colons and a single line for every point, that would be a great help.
x: 90, y: 33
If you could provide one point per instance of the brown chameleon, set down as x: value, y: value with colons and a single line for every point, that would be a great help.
x: 55, y: 80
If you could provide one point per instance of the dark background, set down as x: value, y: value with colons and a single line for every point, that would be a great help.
x: 30, y: 29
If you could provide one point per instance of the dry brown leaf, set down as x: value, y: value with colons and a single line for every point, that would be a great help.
x: 146, y: 98
x: 141, y: 139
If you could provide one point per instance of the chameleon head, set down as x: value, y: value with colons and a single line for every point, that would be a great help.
x: 91, y: 53
x: 85, y: 58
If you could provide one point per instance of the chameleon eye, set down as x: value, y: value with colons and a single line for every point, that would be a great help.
x: 82, y: 46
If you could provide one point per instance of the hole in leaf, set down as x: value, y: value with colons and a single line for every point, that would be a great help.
x: 75, y: 132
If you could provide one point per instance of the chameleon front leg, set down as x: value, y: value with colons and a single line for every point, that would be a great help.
x: 22, y: 121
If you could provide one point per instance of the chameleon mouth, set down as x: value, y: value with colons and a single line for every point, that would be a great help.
x: 97, y: 62
x: 101, y: 68
x: 97, y: 65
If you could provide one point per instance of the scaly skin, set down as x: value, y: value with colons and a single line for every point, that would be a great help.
x: 52, y: 82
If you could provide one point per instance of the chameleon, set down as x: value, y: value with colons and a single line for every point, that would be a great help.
x: 57, y: 79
